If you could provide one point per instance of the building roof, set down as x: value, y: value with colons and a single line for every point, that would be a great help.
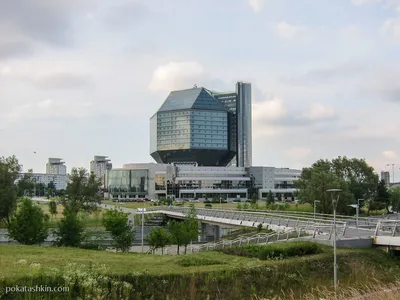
x: 195, y: 98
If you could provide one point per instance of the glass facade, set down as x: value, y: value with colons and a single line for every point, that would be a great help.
x: 213, y: 184
x: 188, y: 129
x: 160, y: 182
x: 244, y: 126
x: 153, y: 133
x: 191, y: 126
x: 128, y: 183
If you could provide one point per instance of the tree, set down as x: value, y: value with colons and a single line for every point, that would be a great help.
x: 40, y: 189
x: 394, y: 195
x: 178, y: 233
x: 51, y: 190
x: 82, y: 193
x: 279, y: 197
x: 158, y: 238
x: 29, y: 225
x: 254, y: 198
x: 192, y: 225
x: 270, y: 197
x: 70, y: 229
x: 118, y: 224
x: 360, y: 177
x: 53, y: 208
x: 9, y: 173
x: 382, y: 199
x: 26, y: 184
x: 314, y: 183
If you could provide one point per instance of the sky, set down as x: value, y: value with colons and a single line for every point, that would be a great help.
x: 80, y: 78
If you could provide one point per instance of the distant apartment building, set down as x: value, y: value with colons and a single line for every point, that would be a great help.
x: 56, y: 166
x: 385, y: 176
x: 99, y: 166
x: 60, y: 180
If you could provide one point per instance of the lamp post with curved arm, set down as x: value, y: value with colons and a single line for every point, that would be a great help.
x: 335, y: 194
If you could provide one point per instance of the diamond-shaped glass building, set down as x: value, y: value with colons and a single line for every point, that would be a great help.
x: 198, y: 126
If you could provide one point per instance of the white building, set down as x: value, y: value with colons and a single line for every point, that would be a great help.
x: 195, y: 182
x: 56, y: 166
x: 99, y: 166
x: 60, y: 180
x: 385, y: 176
x: 280, y: 181
x: 190, y: 181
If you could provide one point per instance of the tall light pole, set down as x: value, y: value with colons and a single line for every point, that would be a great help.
x: 142, y: 229
x: 315, y: 207
x: 358, y: 210
x: 335, y: 193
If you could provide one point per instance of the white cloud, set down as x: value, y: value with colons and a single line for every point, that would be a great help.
x: 5, y: 71
x: 46, y: 109
x: 362, y: 2
x: 390, y: 154
x: 288, y: 31
x: 319, y: 111
x: 256, y: 5
x: 176, y: 75
x: 350, y: 31
x: 391, y: 27
x: 268, y: 110
x: 298, y: 153
x: 263, y: 113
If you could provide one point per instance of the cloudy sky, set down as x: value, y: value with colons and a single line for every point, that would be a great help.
x: 82, y: 77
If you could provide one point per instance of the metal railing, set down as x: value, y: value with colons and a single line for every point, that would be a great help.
x: 323, y: 232
x: 246, y: 216
x: 387, y: 228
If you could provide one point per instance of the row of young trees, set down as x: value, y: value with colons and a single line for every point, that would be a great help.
x: 180, y: 233
x: 27, y: 186
x: 353, y: 176
x: 28, y: 224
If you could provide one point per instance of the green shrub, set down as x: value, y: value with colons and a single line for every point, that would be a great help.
x: 275, y: 251
x: 92, y: 246
x: 208, y: 205
x: 189, y: 261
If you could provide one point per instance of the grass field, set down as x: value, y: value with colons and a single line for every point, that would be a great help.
x: 208, y: 275
x: 92, y: 220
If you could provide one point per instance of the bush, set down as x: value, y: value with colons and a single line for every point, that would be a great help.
x: 208, y: 205
x: 29, y: 224
x: 189, y: 261
x: 92, y: 246
x: 70, y: 229
x: 275, y: 251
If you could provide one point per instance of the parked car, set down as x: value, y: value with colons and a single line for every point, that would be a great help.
x: 139, y: 200
x: 154, y: 200
x: 236, y: 201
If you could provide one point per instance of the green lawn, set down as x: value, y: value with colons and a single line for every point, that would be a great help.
x: 202, y: 275
x: 120, y: 263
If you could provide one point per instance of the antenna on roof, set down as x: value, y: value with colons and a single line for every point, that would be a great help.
x: 195, y: 86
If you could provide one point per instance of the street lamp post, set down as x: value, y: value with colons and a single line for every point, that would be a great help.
x: 315, y: 207
x: 335, y: 193
x: 143, y: 230
x: 358, y: 210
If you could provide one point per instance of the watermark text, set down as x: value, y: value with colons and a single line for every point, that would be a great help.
x: 36, y: 289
